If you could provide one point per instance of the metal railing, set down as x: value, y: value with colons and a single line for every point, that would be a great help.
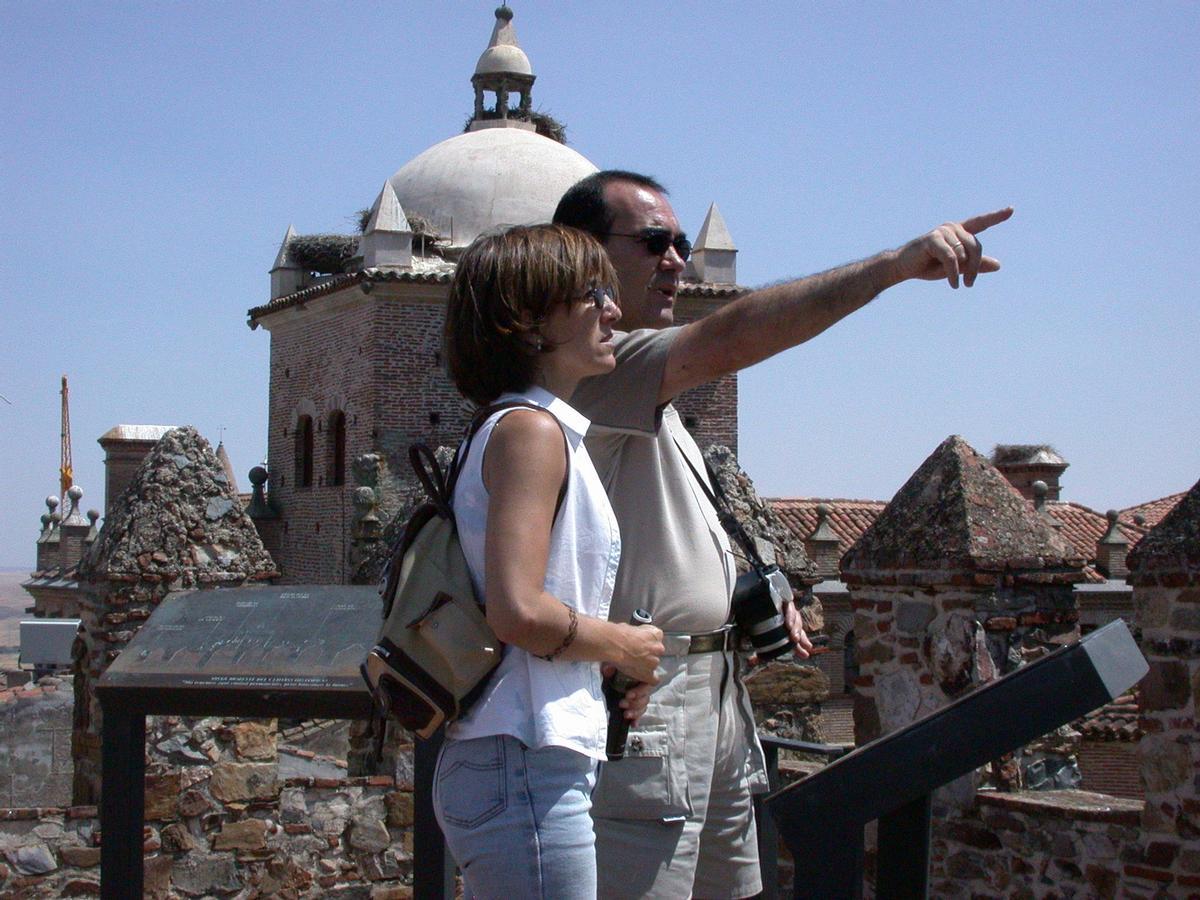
x: 890, y: 780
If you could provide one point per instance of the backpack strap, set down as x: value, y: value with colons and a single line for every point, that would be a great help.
x: 481, y: 416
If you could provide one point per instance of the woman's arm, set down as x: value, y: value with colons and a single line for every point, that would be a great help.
x: 523, y: 469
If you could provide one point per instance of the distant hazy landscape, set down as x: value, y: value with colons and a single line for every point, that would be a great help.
x: 13, y: 601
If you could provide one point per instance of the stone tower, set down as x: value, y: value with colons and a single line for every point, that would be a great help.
x: 356, y: 355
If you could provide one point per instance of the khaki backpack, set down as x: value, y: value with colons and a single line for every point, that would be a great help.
x: 435, y: 649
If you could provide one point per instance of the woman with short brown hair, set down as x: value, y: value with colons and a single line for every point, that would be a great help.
x: 530, y: 315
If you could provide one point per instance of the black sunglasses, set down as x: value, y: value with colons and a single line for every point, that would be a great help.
x: 658, y: 240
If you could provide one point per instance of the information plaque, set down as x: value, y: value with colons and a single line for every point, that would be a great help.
x: 267, y: 651
x: 295, y: 648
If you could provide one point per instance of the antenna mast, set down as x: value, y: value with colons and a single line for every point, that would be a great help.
x: 66, y: 474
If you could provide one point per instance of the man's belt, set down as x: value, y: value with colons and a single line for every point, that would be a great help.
x: 708, y: 642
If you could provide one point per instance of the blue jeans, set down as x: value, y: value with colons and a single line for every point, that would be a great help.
x: 517, y: 820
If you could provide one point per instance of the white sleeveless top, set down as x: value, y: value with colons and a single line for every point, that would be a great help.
x: 542, y: 703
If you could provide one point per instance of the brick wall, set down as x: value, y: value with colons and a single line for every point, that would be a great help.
x: 320, y: 363
x: 378, y: 357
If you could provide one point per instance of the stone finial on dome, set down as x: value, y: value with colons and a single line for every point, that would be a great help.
x: 259, y: 508
x: 386, y: 242
x: 714, y: 256
x: 287, y: 276
x: 503, y: 68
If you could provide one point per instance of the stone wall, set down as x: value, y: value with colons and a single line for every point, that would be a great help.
x: 1034, y: 844
x: 958, y: 582
x: 222, y: 821
x: 1165, y: 574
x: 35, y: 744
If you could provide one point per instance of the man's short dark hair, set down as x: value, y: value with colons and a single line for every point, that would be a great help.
x: 583, y: 206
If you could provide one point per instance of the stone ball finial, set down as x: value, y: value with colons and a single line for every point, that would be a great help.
x: 1040, y: 490
x: 1111, y: 515
x: 93, y: 515
x: 75, y: 492
x: 52, y: 502
x: 258, y: 476
x: 45, y: 521
x: 503, y: 12
x: 56, y: 517
x: 1139, y: 519
x: 822, y: 511
x: 364, y: 498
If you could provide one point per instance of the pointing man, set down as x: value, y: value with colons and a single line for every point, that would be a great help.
x: 675, y: 817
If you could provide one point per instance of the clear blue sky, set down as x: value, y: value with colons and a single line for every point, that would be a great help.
x: 152, y: 155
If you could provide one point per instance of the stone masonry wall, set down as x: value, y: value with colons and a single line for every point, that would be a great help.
x: 1034, y: 844
x: 35, y: 743
x: 1165, y: 574
x: 221, y: 822
x: 180, y: 525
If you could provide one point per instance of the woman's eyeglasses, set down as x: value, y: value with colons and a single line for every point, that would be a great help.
x: 598, y: 296
x: 658, y: 240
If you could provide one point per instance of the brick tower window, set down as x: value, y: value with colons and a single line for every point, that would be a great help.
x: 337, y: 448
x: 304, y: 452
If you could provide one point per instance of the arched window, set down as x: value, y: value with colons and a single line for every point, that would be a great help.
x: 337, y: 448
x: 304, y: 451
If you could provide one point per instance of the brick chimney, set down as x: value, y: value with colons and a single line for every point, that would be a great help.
x: 822, y: 545
x: 125, y: 446
x: 1023, y: 464
x: 1112, y: 549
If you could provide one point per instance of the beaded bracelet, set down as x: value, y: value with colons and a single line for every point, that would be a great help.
x: 572, y: 628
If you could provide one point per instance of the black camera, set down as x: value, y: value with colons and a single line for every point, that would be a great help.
x: 758, y: 598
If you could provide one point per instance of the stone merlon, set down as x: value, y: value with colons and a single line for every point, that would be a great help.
x: 179, y: 513
x: 1173, y: 547
x: 958, y: 513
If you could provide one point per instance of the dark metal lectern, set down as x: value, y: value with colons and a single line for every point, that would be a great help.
x: 263, y: 652
x: 891, y: 779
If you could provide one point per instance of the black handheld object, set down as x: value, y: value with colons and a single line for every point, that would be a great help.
x: 758, y: 599
x: 615, y: 687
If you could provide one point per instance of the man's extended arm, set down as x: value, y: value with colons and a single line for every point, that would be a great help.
x: 770, y: 320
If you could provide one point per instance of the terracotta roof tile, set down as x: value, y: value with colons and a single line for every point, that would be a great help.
x: 441, y: 275
x: 848, y: 518
x: 1115, y: 721
x: 1083, y: 527
x: 1152, y: 511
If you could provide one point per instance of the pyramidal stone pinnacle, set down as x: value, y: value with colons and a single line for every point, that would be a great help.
x: 957, y: 512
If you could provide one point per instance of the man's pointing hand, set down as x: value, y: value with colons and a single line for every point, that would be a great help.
x: 950, y: 250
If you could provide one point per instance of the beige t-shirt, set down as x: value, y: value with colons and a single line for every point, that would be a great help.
x: 675, y: 557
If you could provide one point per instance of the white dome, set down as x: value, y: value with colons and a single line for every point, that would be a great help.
x: 485, y: 179
x: 505, y: 58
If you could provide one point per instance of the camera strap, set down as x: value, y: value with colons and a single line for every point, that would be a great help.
x: 716, y: 496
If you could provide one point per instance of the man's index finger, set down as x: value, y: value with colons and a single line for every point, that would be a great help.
x: 976, y: 224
